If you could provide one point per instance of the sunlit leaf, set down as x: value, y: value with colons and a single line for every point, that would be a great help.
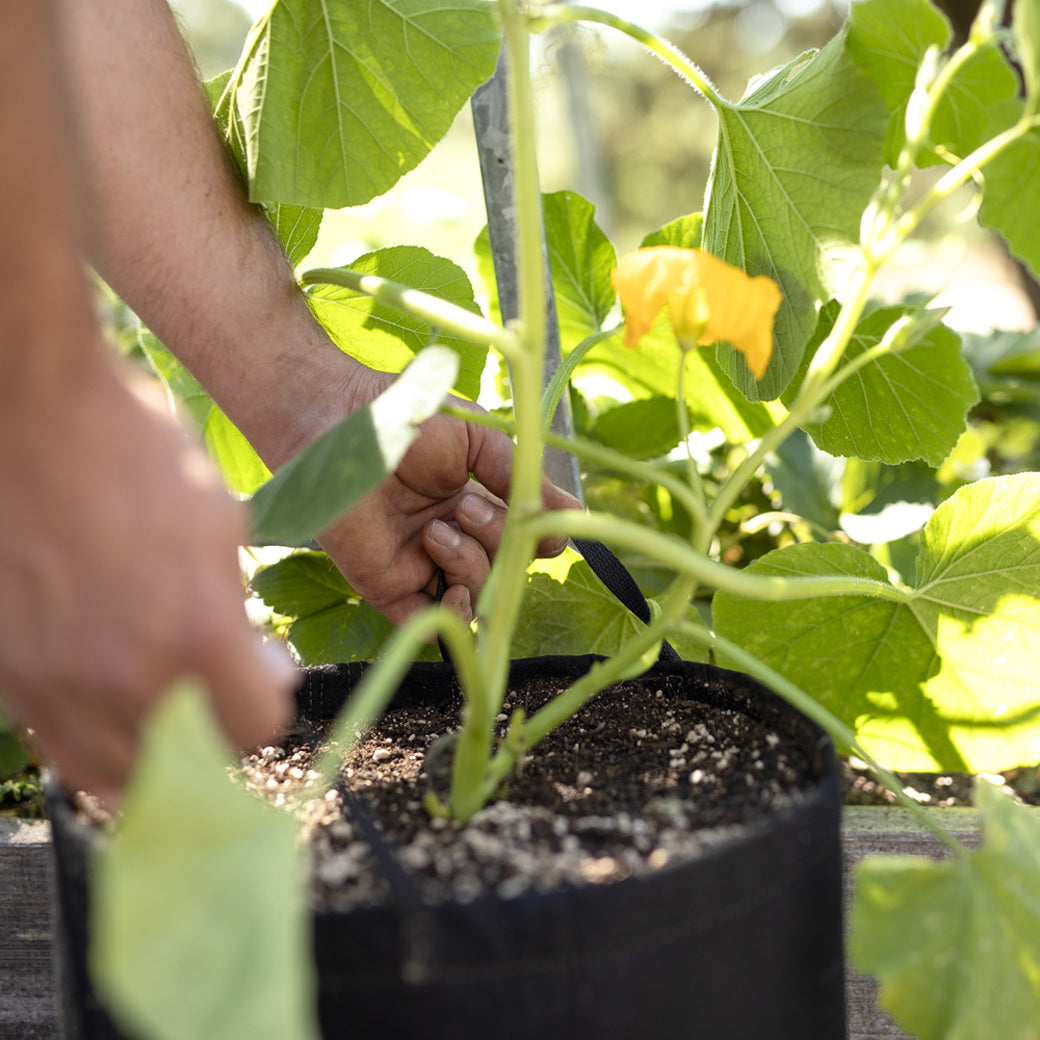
x: 335, y: 471
x: 1025, y: 23
x: 653, y: 370
x: 888, y: 39
x: 911, y: 403
x: 949, y: 678
x: 580, y: 258
x: 335, y: 108
x: 956, y: 944
x: 297, y: 227
x: 385, y: 338
x: 797, y: 160
x: 199, y: 906
x: 1010, y: 200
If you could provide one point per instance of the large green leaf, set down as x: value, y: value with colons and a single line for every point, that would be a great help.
x: 908, y: 404
x: 199, y: 902
x: 337, y: 101
x: 1010, y: 199
x: 385, y: 338
x: 1025, y: 23
x: 888, y: 39
x: 956, y: 944
x: 946, y: 678
x: 335, y: 471
x: 297, y: 227
x: 796, y: 162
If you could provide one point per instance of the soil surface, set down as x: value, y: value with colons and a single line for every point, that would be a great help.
x: 637, y: 780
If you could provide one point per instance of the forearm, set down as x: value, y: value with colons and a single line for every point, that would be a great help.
x: 172, y: 232
x: 45, y: 307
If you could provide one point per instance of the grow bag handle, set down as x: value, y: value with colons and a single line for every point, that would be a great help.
x: 616, y: 577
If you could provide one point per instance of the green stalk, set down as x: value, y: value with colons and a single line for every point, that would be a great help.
x: 499, y: 604
x: 677, y: 555
x: 629, y: 661
x: 701, y: 534
x: 448, y: 316
x: 375, y: 691
x: 557, y: 14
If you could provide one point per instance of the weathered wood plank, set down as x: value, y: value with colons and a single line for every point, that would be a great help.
x: 867, y: 830
x: 26, y: 977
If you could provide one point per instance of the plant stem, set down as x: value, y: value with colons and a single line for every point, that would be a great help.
x: 677, y: 555
x: 556, y: 14
x: 636, y: 656
x: 371, y: 696
x: 701, y: 538
x: 456, y: 320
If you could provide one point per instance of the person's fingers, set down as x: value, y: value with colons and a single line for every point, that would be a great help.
x: 482, y: 519
x: 458, y: 599
x: 250, y: 685
x: 554, y: 498
x: 463, y: 559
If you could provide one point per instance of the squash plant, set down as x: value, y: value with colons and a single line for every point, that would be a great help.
x: 732, y: 319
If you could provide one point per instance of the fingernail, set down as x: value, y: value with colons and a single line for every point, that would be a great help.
x: 279, y: 663
x: 572, y: 502
x: 444, y: 534
x: 476, y: 509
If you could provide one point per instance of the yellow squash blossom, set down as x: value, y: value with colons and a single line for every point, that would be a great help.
x: 708, y: 300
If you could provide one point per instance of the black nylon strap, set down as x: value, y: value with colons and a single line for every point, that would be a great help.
x: 613, y: 573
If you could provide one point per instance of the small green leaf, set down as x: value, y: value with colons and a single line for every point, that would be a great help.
x: 387, y: 339
x: 332, y: 473
x: 581, y: 259
x: 956, y: 944
x: 302, y: 584
x: 14, y: 756
x: 567, y: 610
x: 683, y: 233
x: 796, y: 163
x: 335, y: 108
x: 643, y: 429
x: 909, y: 404
x: 330, y: 623
x: 948, y: 678
x: 199, y: 900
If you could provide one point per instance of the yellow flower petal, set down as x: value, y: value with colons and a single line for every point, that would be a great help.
x: 708, y: 300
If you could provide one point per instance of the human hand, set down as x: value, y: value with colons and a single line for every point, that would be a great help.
x: 118, y: 549
x: 432, y: 515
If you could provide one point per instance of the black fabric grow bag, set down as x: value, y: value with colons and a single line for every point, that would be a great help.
x: 743, y: 943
